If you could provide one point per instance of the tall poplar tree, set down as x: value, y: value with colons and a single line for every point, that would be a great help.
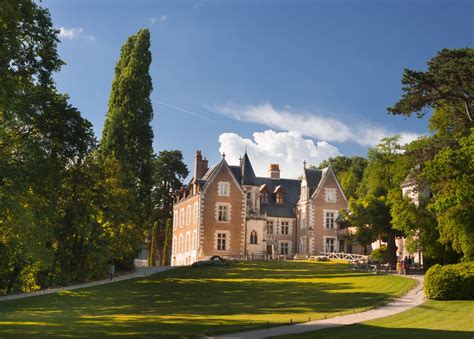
x: 126, y: 144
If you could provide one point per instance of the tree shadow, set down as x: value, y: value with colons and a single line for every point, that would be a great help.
x: 194, y: 301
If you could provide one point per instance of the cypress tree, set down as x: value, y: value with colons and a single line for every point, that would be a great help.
x: 126, y: 148
x: 127, y: 136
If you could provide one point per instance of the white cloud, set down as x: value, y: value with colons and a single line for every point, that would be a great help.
x: 163, y: 18
x: 153, y: 20
x: 289, y: 149
x: 69, y: 33
x: 311, y: 125
x: 73, y: 33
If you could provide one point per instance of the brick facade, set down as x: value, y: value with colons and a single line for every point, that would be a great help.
x: 240, y: 214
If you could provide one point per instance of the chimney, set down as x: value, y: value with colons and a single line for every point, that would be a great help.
x: 274, y: 171
x: 200, y: 165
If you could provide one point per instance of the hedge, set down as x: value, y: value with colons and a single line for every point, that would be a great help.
x: 450, y: 282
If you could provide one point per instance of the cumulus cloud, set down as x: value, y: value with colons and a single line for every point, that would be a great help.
x: 311, y: 125
x: 289, y: 149
x: 73, y: 33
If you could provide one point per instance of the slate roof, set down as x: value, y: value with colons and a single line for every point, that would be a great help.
x: 248, y: 175
x: 313, y: 177
x: 291, y: 193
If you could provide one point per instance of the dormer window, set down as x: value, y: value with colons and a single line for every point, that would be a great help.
x: 263, y: 194
x: 278, y: 195
x: 279, y: 198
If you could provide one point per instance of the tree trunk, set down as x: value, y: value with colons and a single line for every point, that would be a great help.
x: 391, y: 250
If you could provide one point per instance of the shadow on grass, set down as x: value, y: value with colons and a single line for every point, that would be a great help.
x: 195, y: 301
x: 367, y: 331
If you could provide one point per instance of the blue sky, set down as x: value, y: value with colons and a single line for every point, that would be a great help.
x: 286, y: 80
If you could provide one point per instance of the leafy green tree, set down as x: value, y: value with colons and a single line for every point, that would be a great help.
x: 169, y: 171
x: 41, y: 138
x: 349, y: 171
x: 451, y: 178
x: 386, y: 170
x: 448, y: 80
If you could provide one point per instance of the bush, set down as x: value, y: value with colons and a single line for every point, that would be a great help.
x: 450, y: 282
x: 379, y: 254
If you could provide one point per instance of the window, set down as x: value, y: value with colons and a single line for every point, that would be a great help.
x: 188, y: 215
x: 221, y: 241
x: 194, y: 240
x: 330, y: 219
x: 180, y: 244
x: 187, y: 243
x: 223, y: 188
x: 174, y: 244
x: 285, y: 228
x: 284, y: 248
x: 264, y: 197
x: 253, y: 237
x: 303, y: 245
x: 330, y: 195
x: 303, y: 218
x: 329, y: 244
x: 269, y: 226
x: 222, y: 213
x: 181, y: 217
x: 195, y: 213
x: 175, y: 219
x: 249, y: 196
x: 279, y: 198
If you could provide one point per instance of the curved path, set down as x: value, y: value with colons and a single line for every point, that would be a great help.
x: 412, y: 299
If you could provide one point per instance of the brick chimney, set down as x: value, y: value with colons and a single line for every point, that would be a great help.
x: 274, y: 171
x: 200, y: 166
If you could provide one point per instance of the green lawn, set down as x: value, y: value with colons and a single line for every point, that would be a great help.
x: 433, y: 319
x: 205, y: 300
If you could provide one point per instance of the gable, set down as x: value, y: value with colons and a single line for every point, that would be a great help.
x: 329, y: 180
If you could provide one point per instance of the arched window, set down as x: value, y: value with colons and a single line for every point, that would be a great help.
x: 253, y: 237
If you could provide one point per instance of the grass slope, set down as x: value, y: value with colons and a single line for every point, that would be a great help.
x: 205, y: 300
x: 433, y: 319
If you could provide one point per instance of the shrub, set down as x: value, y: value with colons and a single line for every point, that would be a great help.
x: 379, y: 254
x: 450, y: 282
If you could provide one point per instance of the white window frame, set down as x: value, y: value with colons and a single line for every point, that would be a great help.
x: 285, y: 225
x: 194, y: 240
x: 175, y: 219
x: 180, y: 244
x: 325, y: 243
x: 334, y: 217
x: 270, y: 226
x: 181, y: 217
x: 223, y: 188
x: 195, y: 213
x: 223, y: 212
x: 188, y: 215
x: 286, y: 246
x: 187, y: 243
x: 225, y: 236
x: 330, y: 195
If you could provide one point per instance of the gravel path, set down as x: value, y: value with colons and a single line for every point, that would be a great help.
x: 412, y: 299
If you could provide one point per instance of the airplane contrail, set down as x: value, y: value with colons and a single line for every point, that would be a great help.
x: 183, y: 110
